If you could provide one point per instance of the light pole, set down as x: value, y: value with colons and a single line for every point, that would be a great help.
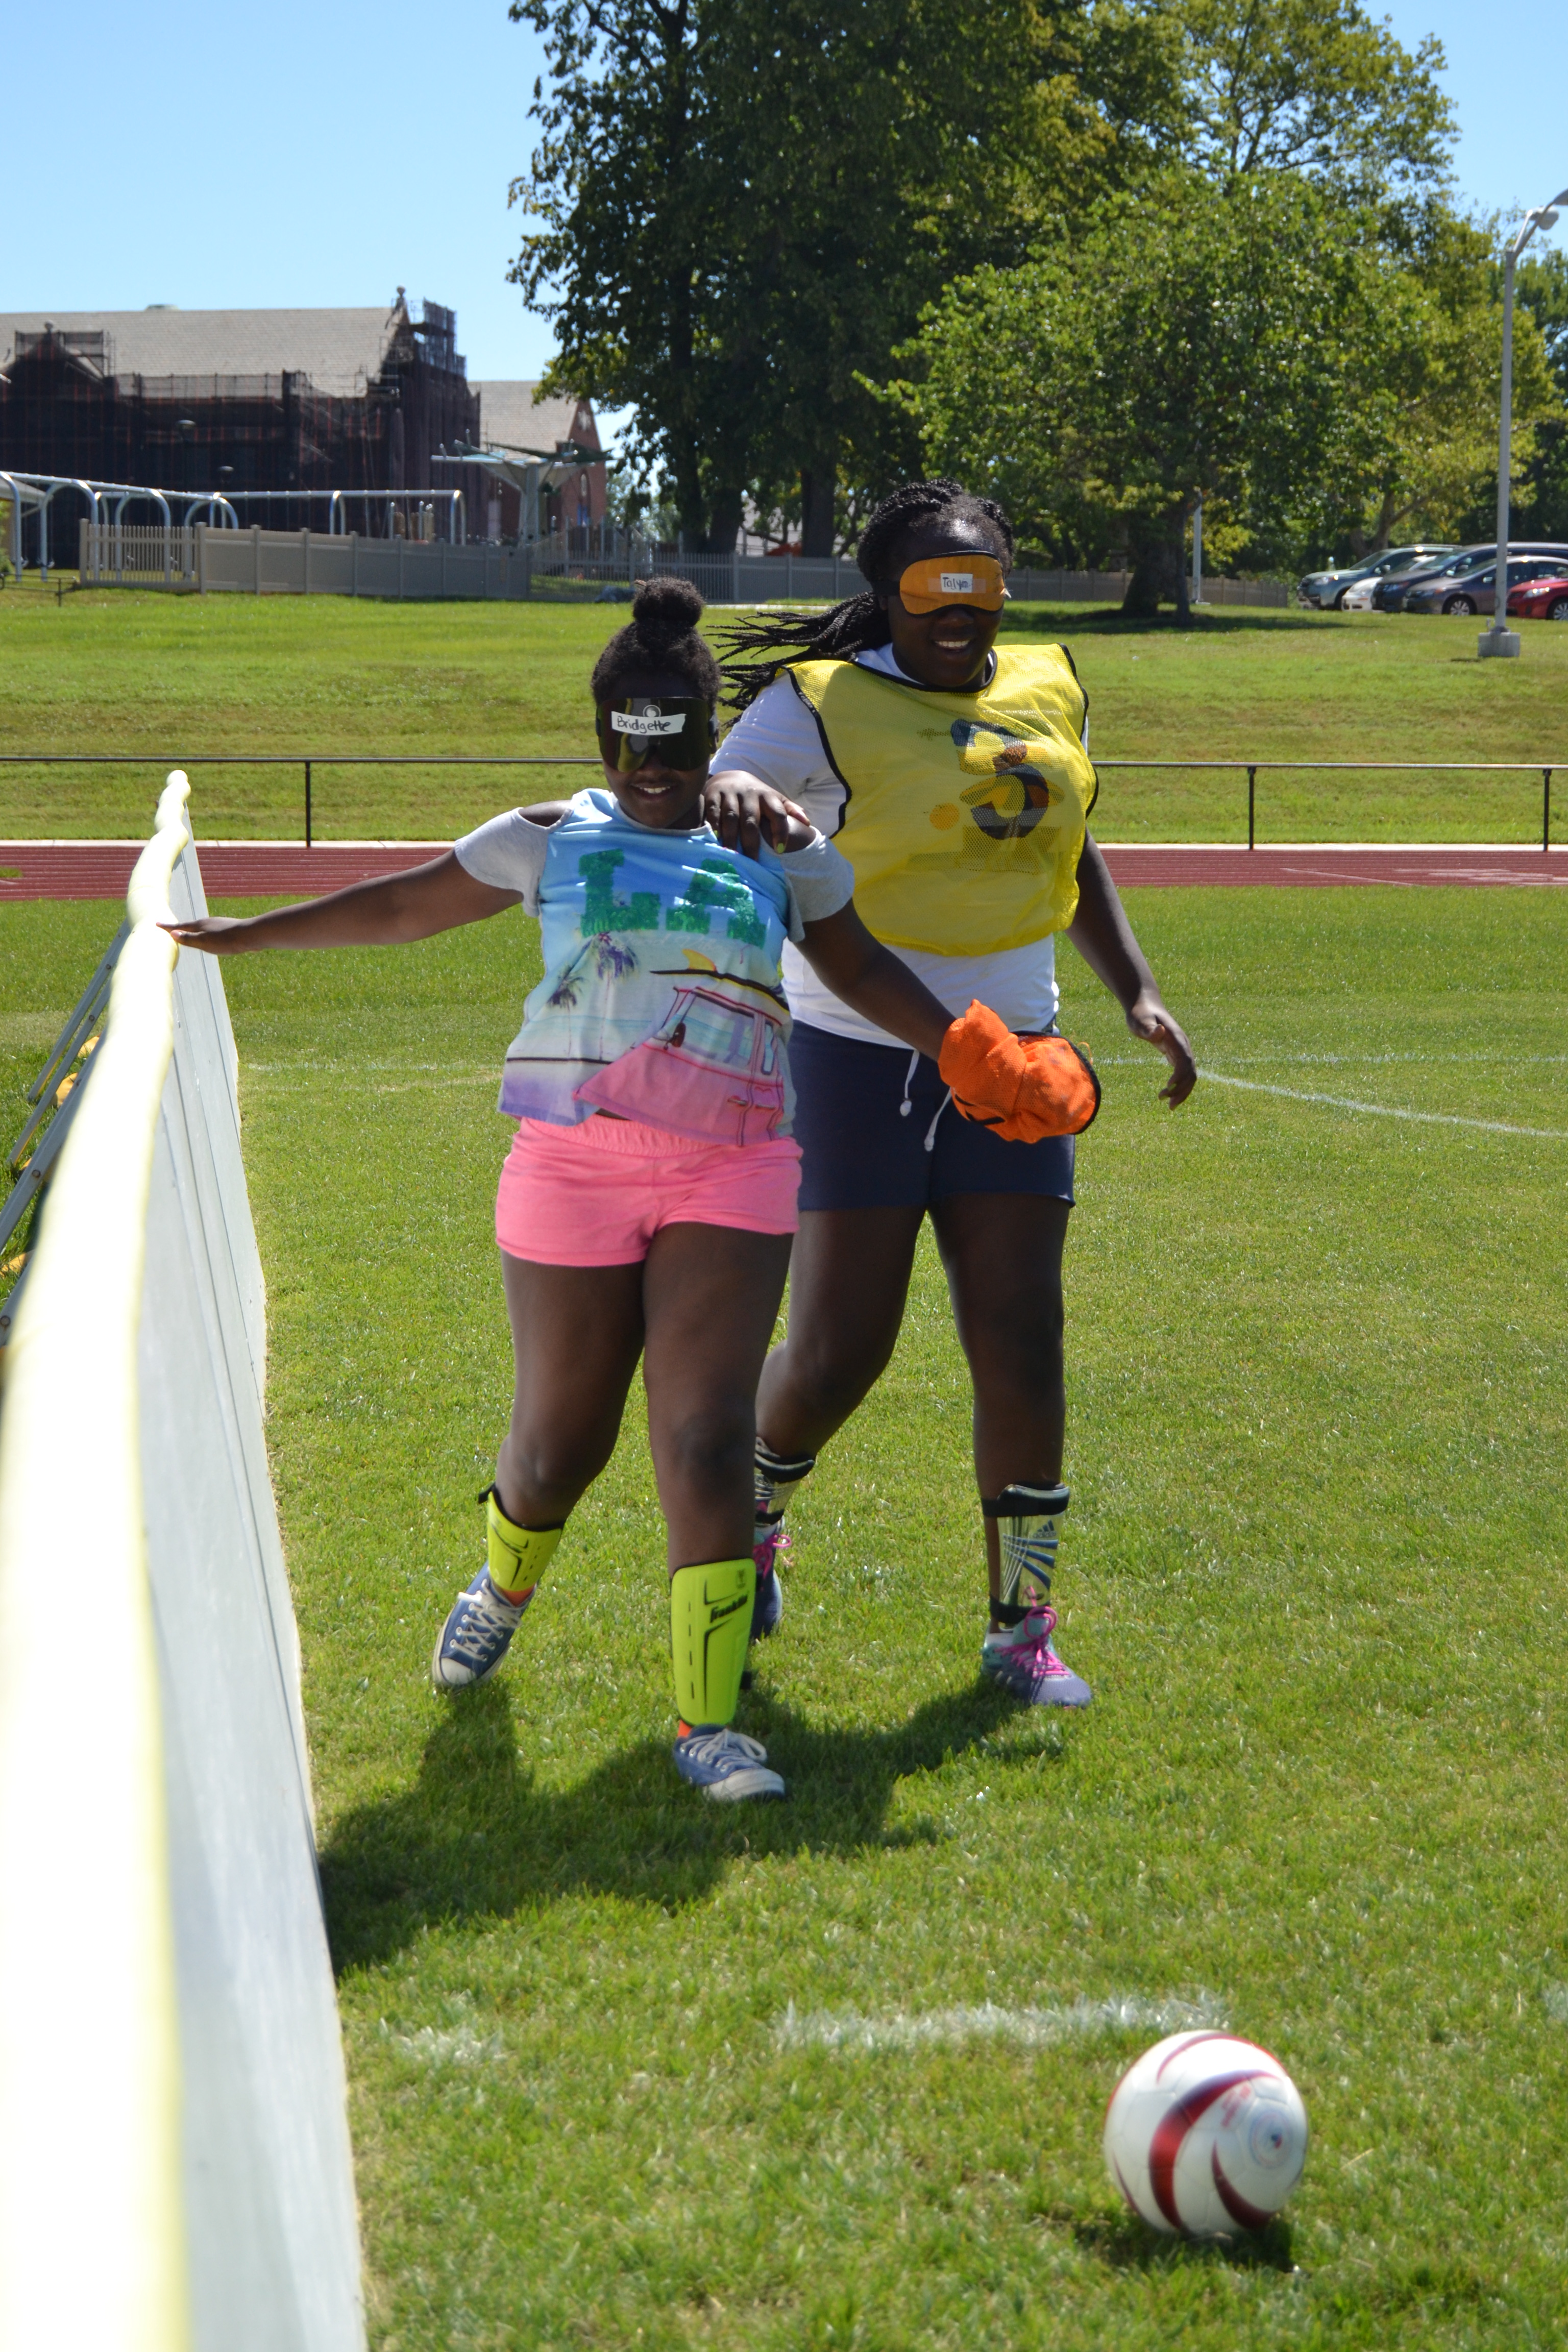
x: 1500, y: 638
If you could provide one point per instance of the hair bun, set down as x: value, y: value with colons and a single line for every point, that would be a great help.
x: 664, y: 609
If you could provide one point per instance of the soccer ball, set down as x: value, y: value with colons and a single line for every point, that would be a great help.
x: 1205, y: 2135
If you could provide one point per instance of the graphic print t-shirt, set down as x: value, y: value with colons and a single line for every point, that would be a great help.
x: 661, y: 997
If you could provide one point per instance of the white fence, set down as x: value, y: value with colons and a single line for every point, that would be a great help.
x: 142, y: 554
x: 174, y: 2161
x: 259, y: 563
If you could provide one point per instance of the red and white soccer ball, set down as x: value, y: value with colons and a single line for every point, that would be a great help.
x: 1205, y: 2135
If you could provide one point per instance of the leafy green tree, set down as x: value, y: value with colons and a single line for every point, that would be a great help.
x: 629, y: 181
x: 744, y: 208
x: 922, y: 140
x: 1194, y: 340
x: 1540, y: 292
x: 1315, y: 87
x: 1428, y: 365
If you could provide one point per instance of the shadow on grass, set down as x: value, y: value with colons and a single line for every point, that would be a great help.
x: 1124, y: 2242
x: 1224, y: 621
x: 474, y: 1838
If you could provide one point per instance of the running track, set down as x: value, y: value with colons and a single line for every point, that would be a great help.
x: 240, y: 869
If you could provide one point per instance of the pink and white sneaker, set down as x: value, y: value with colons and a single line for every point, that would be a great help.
x: 768, y: 1606
x: 1022, y: 1659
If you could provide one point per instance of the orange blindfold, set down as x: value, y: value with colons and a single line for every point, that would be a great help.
x: 953, y: 580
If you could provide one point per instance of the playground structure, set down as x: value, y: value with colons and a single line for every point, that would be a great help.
x: 409, y: 514
x: 34, y: 494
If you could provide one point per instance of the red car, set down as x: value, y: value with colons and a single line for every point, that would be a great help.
x: 1540, y: 599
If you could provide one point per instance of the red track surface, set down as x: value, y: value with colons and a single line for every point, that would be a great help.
x: 236, y: 870
x: 242, y: 869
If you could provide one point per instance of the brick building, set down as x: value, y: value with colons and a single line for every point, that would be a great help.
x: 514, y: 417
x: 199, y: 401
x: 234, y: 400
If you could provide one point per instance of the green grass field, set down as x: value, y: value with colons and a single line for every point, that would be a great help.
x: 628, y: 2073
x: 176, y: 676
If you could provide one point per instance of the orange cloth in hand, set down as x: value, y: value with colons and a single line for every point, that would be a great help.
x: 1022, y: 1088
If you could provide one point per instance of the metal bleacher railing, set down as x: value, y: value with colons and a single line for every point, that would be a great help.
x: 310, y: 767
x: 175, y: 2162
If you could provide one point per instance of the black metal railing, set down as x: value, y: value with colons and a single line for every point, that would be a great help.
x: 1255, y: 768
x: 292, y: 760
x: 1252, y: 768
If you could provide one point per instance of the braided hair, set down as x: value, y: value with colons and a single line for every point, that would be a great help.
x: 660, y: 639
x: 860, y: 623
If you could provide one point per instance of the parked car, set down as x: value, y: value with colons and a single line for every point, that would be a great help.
x: 1328, y: 588
x: 1362, y: 595
x: 1542, y: 600
x: 1476, y: 591
x: 1391, y: 595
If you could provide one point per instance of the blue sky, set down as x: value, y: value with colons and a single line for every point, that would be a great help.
x: 216, y: 155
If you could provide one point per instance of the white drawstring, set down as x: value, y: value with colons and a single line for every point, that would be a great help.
x: 906, y: 1106
x: 930, y: 1131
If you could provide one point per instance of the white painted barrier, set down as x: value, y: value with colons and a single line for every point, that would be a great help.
x: 174, y: 2161
x: 257, y: 563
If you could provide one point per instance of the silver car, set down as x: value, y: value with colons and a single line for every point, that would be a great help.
x: 1327, y: 589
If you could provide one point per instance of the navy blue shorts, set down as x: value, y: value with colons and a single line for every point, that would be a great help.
x: 861, y: 1150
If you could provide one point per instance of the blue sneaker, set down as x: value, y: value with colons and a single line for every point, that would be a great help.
x: 768, y: 1606
x: 476, y: 1636
x: 725, y: 1764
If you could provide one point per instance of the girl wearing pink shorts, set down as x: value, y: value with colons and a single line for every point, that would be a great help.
x: 647, y: 1202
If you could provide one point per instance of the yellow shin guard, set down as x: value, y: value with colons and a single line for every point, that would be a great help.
x: 709, y: 1627
x: 518, y: 1556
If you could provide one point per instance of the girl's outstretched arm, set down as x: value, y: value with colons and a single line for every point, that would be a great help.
x: 1104, y: 937
x: 382, y: 913
x: 876, y: 982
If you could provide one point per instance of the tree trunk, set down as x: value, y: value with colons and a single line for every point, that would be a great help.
x: 690, y: 507
x: 818, y: 485
x: 725, y: 513
x: 1158, y: 567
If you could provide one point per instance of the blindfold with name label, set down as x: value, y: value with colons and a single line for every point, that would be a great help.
x: 941, y: 580
x: 677, y: 728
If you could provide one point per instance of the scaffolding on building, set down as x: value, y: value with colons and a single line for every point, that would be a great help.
x: 71, y: 419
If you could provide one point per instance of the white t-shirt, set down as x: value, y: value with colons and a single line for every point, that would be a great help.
x: 778, y: 740
x: 507, y: 852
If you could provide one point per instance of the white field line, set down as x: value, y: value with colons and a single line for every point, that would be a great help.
x: 1471, y: 874
x: 1331, y: 1061
x: 1030, y: 2028
x: 488, y: 1078
x: 1388, y: 1110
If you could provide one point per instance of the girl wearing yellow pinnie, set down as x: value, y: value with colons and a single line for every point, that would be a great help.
x: 648, y: 1202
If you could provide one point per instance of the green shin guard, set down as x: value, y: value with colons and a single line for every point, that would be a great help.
x: 518, y: 1556
x: 709, y: 1627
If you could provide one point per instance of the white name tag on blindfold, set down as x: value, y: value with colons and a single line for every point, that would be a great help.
x: 647, y: 722
x: 958, y: 583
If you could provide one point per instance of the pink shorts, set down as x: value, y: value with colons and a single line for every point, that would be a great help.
x: 597, y: 1194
